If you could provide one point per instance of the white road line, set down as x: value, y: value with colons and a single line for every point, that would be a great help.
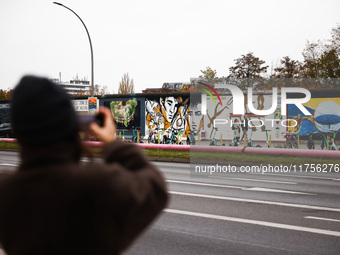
x: 205, y: 184
x: 254, y: 180
x: 274, y: 174
x: 256, y: 222
x: 240, y: 187
x: 319, y: 218
x: 312, y: 207
x: 7, y: 164
x: 336, y: 179
x: 296, y: 176
x: 171, y: 165
x: 277, y: 191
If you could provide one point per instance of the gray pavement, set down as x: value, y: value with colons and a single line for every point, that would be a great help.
x: 240, y: 213
x: 291, y: 213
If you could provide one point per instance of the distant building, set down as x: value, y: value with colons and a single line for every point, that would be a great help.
x: 158, y: 90
x: 75, y: 87
x: 172, y: 85
x: 166, y: 88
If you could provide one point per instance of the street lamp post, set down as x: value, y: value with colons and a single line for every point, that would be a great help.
x: 92, y: 72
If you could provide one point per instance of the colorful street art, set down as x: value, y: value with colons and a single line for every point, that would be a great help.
x: 182, y: 113
x: 325, y: 116
x: 4, y: 112
x: 167, y: 114
x: 257, y: 124
x: 93, y: 104
x: 196, y: 123
x: 125, y: 113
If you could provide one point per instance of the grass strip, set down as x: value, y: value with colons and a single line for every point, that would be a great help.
x: 259, y: 159
x: 168, y: 154
x: 9, y: 146
x: 216, y: 156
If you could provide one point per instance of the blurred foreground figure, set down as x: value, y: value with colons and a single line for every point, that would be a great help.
x: 52, y: 204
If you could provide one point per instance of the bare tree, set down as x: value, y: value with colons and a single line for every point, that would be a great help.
x: 335, y: 41
x: 97, y: 91
x: 126, y: 85
x: 103, y: 90
x: 311, y: 54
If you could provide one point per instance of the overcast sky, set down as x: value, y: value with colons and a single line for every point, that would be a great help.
x: 154, y: 41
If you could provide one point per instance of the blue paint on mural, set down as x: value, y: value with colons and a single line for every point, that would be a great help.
x: 328, y: 119
x: 294, y: 112
x: 306, y: 127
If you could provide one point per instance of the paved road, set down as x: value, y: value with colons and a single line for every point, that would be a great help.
x: 246, y: 214
x: 241, y: 213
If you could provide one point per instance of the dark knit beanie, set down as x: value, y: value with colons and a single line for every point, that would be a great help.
x: 42, y: 113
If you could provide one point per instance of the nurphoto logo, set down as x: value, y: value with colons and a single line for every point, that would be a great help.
x: 239, y: 100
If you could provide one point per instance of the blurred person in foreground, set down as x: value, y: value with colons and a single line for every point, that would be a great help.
x: 53, y: 204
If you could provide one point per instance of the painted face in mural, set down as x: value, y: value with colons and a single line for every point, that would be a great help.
x: 195, y: 114
x: 170, y: 107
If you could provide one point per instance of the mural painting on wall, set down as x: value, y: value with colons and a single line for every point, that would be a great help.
x: 196, y: 117
x: 4, y: 112
x: 125, y: 113
x: 259, y: 125
x: 167, y: 114
x: 325, y: 116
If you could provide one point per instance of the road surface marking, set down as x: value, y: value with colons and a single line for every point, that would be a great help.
x: 205, y: 184
x: 277, y: 191
x: 254, y: 180
x: 170, y: 165
x: 319, y: 218
x: 239, y: 187
x: 256, y: 222
x: 296, y: 176
x: 311, y: 207
x: 7, y: 164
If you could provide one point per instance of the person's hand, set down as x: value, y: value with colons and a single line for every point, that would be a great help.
x: 106, y: 133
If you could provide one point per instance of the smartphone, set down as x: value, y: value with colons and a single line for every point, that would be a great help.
x: 85, y: 121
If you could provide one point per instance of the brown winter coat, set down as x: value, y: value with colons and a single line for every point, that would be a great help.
x: 54, y: 205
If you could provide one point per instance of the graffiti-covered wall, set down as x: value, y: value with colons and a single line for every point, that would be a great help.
x: 181, y: 113
x: 127, y: 111
x: 167, y: 113
x: 258, y: 126
x: 4, y: 111
x: 325, y: 109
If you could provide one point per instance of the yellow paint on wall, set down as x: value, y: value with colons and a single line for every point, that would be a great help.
x: 314, y: 102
